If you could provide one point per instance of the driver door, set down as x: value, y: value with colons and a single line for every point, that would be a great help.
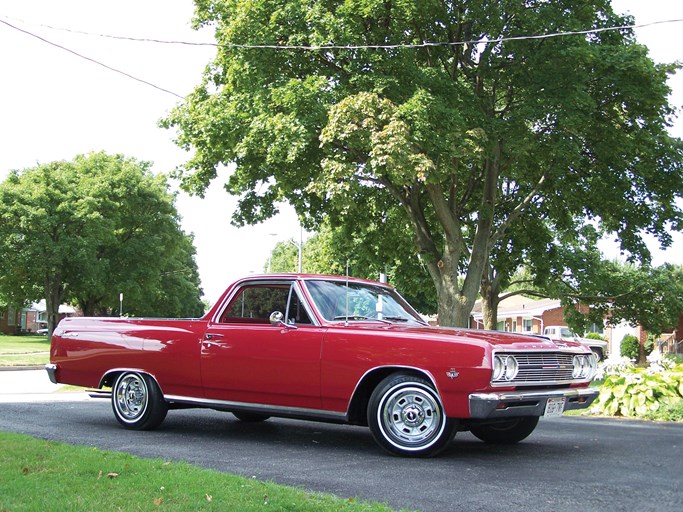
x: 245, y: 359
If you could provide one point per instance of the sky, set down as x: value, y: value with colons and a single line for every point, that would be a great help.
x: 55, y: 105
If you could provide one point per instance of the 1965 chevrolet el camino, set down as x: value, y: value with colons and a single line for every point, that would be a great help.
x: 332, y: 349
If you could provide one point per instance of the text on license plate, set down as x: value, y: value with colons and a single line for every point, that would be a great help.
x: 554, y: 407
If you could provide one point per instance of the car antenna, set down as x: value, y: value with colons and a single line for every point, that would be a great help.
x: 346, y: 323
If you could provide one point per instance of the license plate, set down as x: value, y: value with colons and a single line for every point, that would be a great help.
x: 554, y: 407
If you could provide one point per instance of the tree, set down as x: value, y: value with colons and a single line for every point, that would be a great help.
x: 640, y: 295
x: 85, y: 230
x: 330, y: 250
x: 464, y: 138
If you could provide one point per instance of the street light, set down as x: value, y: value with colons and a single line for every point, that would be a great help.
x: 298, y: 245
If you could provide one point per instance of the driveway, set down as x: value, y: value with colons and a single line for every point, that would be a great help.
x: 568, y: 464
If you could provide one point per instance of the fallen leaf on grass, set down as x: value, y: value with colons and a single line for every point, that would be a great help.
x: 158, y: 501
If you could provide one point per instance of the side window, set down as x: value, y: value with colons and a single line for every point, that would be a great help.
x: 296, y: 312
x: 254, y: 304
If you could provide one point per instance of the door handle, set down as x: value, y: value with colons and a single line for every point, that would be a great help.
x: 212, y: 336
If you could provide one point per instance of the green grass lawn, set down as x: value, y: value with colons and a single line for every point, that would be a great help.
x: 40, y: 475
x: 24, y: 350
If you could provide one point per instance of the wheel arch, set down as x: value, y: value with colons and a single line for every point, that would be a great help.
x: 110, y: 377
x: 358, y: 406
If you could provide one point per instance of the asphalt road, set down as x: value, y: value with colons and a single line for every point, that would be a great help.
x: 568, y: 464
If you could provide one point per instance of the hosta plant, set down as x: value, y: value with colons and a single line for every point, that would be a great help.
x: 640, y: 392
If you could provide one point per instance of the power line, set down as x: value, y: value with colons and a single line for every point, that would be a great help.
x: 94, y: 61
x: 424, y: 44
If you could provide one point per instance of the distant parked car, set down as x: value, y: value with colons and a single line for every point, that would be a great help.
x: 564, y: 333
x: 42, y: 332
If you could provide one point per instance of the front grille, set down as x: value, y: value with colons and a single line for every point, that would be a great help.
x: 542, y: 367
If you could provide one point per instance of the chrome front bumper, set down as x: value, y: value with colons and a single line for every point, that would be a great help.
x: 527, y: 403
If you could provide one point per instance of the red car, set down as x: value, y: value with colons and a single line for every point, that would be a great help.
x: 329, y: 349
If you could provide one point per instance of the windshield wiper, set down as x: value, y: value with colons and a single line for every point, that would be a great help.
x: 350, y: 317
x: 360, y: 317
x: 395, y: 318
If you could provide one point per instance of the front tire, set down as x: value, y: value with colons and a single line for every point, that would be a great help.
x: 508, y: 432
x: 137, y: 401
x: 406, y: 417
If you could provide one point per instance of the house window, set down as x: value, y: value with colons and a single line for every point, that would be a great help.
x: 596, y: 328
x: 527, y: 325
x: 11, y: 316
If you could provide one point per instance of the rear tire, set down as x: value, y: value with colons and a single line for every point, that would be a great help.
x: 508, y: 432
x: 406, y: 417
x: 137, y: 401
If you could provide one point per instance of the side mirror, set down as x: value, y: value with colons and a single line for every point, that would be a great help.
x: 276, y: 319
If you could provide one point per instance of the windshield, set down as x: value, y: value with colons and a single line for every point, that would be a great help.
x: 360, y: 301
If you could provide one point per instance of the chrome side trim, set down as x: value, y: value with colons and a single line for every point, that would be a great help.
x: 273, y: 410
x: 527, y: 403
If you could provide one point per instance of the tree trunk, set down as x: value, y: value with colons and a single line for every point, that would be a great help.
x: 454, y: 308
x: 490, y: 293
x: 489, y: 308
x: 54, y: 292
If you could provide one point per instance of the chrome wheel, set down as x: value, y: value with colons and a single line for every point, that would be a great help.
x: 137, y: 401
x: 406, y: 417
x: 410, y: 416
x: 131, y: 395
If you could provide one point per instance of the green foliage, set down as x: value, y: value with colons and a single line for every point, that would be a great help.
x: 630, y: 346
x: 465, y: 146
x: 86, y: 230
x: 637, y: 294
x: 667, y: 412
x: 368, y: 254
x: 638, y: 392
x: 595, y: 336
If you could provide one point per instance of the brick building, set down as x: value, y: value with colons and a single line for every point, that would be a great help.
x: 522, y: 314
x: 28, y: 320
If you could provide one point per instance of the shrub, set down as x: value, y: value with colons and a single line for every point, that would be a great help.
x: 645, y: 393
x: 668, y: 412
x: 613, y: 366
x: 595, y: 336
x: 630, y: 346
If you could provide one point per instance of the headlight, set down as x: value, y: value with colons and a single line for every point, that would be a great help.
x: 497, y: 368
x: 584, y: 366
x: 511, y: 367
x: 504, y: 368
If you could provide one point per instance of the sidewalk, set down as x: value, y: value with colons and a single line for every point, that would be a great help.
x: 33, y: 385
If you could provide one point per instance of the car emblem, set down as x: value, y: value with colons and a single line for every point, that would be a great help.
x: 452, y: 373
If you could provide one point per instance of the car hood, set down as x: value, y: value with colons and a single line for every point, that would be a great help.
x: 498, y: 340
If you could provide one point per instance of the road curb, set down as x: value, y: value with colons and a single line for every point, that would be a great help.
x: 21, y: 368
